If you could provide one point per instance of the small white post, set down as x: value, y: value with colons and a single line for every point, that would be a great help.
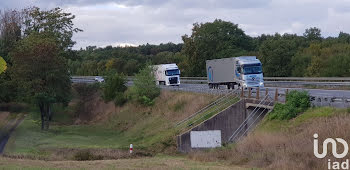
x: 131, y: 148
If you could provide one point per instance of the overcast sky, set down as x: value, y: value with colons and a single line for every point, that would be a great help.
x: 118, y: 22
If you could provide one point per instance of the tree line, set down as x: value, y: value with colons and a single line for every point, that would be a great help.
x: 282, y: 55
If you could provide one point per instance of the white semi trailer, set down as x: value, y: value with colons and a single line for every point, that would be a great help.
x: 244, y: 71
x: 167, y: 74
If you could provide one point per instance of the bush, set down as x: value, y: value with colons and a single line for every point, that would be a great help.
x: 86, y: 90
x: 114, y: 89
x: 86, y: 156
x: 13, y: 107
x: 297, y: 102
x: 120, y: 99
x: 145, y: 89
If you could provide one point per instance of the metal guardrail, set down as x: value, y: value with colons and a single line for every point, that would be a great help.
x: 217, y: 103
x: 313, y: 79
x: 334, y: 79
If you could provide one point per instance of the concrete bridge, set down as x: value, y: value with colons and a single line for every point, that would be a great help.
x: 228, y: 125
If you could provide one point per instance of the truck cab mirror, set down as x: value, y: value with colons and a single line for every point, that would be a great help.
x: 239, y: 69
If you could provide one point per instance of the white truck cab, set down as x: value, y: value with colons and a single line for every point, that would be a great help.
x: 249, y: 72
x: 167, y: 74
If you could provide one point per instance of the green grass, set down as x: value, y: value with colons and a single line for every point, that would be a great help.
x: 29, y: 139
x: 147, y: 128
x: 311, y: 113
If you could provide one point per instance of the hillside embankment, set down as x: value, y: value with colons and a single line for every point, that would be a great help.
x: 90, y: 129
x: 285, y: 144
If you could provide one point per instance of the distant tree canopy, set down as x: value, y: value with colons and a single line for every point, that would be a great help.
x: 127, y: 60
x: 281, y: 55
x: 276, y: 53
x: 211, y: 40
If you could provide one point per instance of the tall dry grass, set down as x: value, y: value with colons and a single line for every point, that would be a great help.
x: 286, y: 149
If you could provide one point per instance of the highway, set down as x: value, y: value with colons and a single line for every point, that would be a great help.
x: 203, y: 88
x: 337, y: 98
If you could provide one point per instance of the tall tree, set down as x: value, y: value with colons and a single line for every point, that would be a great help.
x: 42, y: 73
x: 11, y: 23
x: 218, y: 39
x: 313, y: 34
x: 277, y: 52
x: 58, y: 23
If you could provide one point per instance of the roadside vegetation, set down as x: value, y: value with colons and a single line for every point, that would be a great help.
x: 284, y: 138
x: 99, y: 130
x: 296, y: 103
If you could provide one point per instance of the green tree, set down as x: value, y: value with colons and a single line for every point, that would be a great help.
x: 277, y: 52
x: 329, y: 60
x: 145, y: 89
x: 42, y: 73
x: 218, y: 39
x: 58, y: 23
x: 313, y: 34
x: 114, y: 88
x: 344, y: 37
x: 3, y: 65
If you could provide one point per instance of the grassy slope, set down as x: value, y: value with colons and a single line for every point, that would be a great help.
x: 284, y: 144
x: 148, y: 128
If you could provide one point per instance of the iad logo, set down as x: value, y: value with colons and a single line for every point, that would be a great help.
x: 335, y: 164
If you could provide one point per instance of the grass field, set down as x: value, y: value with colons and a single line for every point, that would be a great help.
x: 149, y: 129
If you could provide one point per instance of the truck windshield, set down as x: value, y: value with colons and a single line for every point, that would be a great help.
x: 172, y: 72
x: 252, y: 69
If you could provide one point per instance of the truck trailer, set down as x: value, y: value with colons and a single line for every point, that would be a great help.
x: 167, y: 74
x: 244, y: 71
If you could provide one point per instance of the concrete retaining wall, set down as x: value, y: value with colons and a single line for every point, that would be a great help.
x: 227, y: 122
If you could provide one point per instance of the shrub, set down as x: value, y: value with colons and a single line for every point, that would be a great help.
x: 120, y: 98
x: 13, y: 107
x: 86, y: 90
x: 85, y: 156
x: 297, y: 102
x: 145, y: 89
x: 114, y: 89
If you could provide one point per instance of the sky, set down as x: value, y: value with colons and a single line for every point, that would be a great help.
x: 136, y: 22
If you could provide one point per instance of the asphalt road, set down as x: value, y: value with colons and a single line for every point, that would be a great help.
x: 6, y: 135
x: 320, y: 97
x: 203, y: 88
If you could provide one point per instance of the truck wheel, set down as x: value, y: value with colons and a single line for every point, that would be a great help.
x: 210, y: 86
x: 232, y: 86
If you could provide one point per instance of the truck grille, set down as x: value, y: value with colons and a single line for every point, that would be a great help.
x: 173, y: 80
x: 253, y: 83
